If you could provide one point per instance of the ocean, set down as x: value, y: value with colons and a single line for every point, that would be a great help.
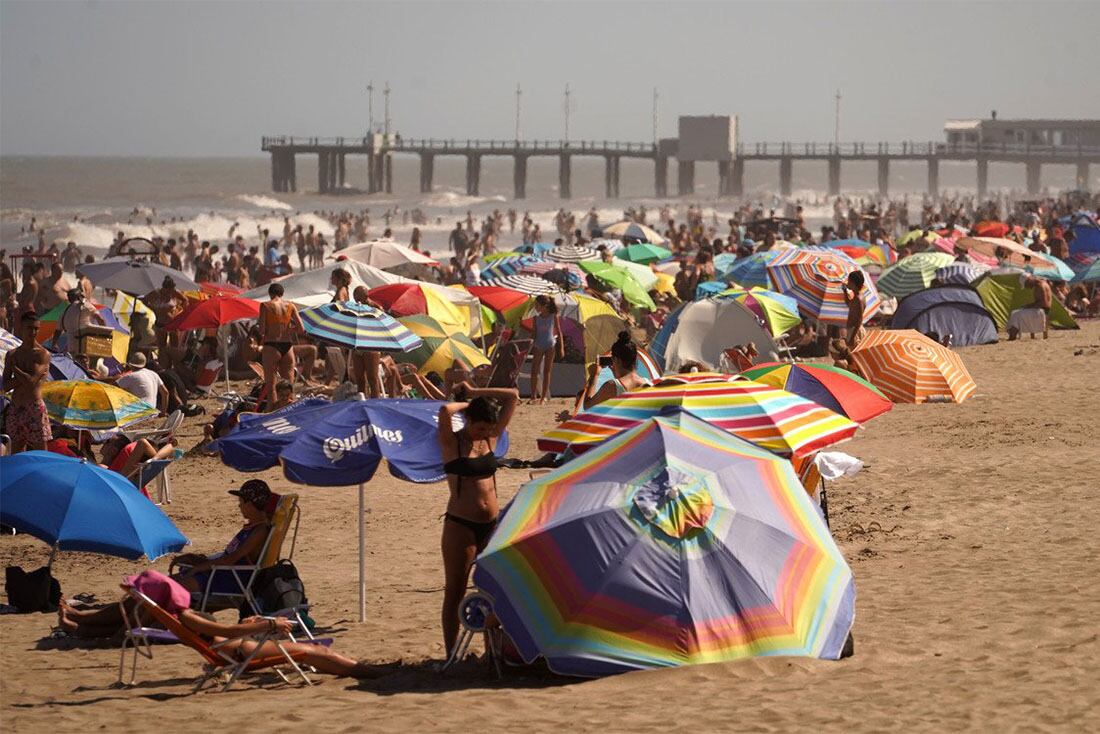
x: 88, y: 200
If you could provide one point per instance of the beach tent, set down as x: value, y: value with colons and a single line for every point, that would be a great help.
x: 1002, y: 294
x: 1086, y: 235
x: 312, y: 288
x: 701, y: 330
x: 954, y: 310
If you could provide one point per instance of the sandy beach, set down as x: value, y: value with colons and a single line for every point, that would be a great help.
x: 969, y: 533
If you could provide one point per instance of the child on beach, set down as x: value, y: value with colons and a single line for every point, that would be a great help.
x: 548, y: 342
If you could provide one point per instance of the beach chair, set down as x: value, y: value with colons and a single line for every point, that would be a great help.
x: 507, y: 363
x: 139, y: 638
x: 156, y: 470
x: 170, y: 426
x: 474, y: 614
x: 285, y: 519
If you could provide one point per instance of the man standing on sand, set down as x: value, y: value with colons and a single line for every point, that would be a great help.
x: 25, y: 369
x: 853, y: 296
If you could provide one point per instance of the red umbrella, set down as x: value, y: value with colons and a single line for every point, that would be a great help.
x: 214, y: 312
x: 498, y: 298
x: 400, y: 299
x: 219, y: 289
x: 990, y: 229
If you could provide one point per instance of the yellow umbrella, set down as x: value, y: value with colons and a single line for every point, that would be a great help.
x: 93, y: 405
x: 443, y: 344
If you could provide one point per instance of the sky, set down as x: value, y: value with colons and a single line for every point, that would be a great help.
x: 210, y: 78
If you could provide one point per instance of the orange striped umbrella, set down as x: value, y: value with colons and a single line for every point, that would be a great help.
x: 911, y: 368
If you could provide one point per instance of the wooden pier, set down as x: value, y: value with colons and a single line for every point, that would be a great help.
x: 379, y: 150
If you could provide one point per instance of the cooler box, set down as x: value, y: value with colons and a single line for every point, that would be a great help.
x: 96, y: 341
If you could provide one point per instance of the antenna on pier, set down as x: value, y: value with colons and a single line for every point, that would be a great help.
x: 567, y: 108
x: 370, y: 107
x: 519, y: 94
x: 836, y: 130
x: 656, y: 96
x: 386, y: 94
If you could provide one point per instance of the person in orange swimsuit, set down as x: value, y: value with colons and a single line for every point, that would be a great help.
x: 279, y: 323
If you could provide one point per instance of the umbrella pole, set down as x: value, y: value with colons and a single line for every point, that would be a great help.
x: 362, y: 553
x: 225, y: 357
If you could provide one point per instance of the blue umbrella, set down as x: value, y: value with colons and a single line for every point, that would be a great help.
x: 751, y: 270
x: 77, y: 506
x: 338, y: 444
x: 659, y: 345
x: 62, y: 367
x: 358, y: 326
x: 1059, y: 270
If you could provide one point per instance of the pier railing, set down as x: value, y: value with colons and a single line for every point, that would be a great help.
x: 400, y: 144
x: 913, y: 148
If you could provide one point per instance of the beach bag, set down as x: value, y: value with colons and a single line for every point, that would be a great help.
x: 278, y: 587
x: 34, y: 591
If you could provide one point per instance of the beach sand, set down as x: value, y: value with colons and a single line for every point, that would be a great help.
x: 971, y: 533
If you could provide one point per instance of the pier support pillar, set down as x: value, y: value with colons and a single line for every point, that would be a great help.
x: 322, y: 172
x: 387, y: 161
x: 333, y: 170
x: 983, y: 177
x: 473, y: 174
x: 785, y: 165
x: 883, y: 177
x: 565, y: 176
x: 660, y: 176
x: 1082, y: 175
x: 834, y: 176
x: 427, y: 168
x: 519, y: 177
x: 934, y: 177
x: 1034, y: 172
x: 291, y: 170
x: 341, y: 170
x: 686, y: 177
x: 276, y: 173
x: 723, y: 178
x: 737, y: 178
x: 611, y: 176
x: 372, y: 173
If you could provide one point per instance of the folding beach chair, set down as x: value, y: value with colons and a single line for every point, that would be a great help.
x: 217, y: 663
x: 507, y: 363
x: 474, y: 613
x: 156, y: 470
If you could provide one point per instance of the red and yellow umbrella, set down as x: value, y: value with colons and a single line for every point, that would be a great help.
x: 911, y: 368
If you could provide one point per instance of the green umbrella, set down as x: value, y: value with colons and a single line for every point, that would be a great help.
x: 913, y: 273
x: 618, y: 277
x: 643, y: 253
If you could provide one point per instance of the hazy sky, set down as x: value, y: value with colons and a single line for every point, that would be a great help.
x: 209, y: 78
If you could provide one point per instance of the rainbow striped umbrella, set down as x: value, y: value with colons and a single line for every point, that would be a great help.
x: 816, y: 278
x: 773, y: 419
x: 674, y: 544
x: 93, y: 405
x: 358, y: 326
x: 911, y: 368
x: 832, y: 387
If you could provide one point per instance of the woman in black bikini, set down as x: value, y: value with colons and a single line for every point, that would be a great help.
x: 279, y: 323
x: 471, y: 467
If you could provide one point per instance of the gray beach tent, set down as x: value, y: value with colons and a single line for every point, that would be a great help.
x: 949, y: 309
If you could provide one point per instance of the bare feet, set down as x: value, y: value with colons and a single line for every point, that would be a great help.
x: 63, y: 620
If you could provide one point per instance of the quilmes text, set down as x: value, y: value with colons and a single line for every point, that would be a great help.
x: 335, y: 448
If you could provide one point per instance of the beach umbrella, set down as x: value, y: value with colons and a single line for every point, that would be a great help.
x: 700, y: 331
x: 1016, y: 254
x: 750, y: 271
x: 562, y: 274
x: 508, y: 266
x: 8, y: 342
x: 644, y: 274
x: 597, y: 324
x: 125, y: 306
x: 532, y: 285
x: 93, y: 405
x: 499, y: 299
x: 439, y: 347
x: 646, y: 367
x: 358, y: 326
x: 778, y: 312
x: 534, y: 248
x: 214, y: 312
x: 958, y: 273
x: 74, y: 505
x: 817, y: 280
x: 1002, y: 293
x: 219, y: 289
x: 643, y: 254
x: 911, y: 368
x: 832, y: 387
x: 384, y: 254
x: 620, y: 278
x: 1088, y: 273
x: 632, y: 230
x: 407, y: 299
x: 988, y: 228
x: 881, y: 255
x: 62, y: 367
x: 774, y: 419
x: 572, y: 254
x: 912, y: 274
x: 913, y: 235
x: 341, y: 444
x: 1059, y: 270
x: 673, y: 544
x: 135, y: 277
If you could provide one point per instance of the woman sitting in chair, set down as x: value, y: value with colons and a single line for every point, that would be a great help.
x: 124, y: 456
x: 256, y: 501
x: 174, y: 599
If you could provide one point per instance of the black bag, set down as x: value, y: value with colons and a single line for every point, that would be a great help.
x: 36, y: 591
x: 277, y: 587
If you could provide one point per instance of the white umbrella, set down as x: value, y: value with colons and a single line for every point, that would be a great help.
x: 384, y: 254
x: 1017, y: 253
x: 635, y: 231
x: 134, y: 276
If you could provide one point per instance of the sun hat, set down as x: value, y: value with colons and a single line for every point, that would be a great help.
x: 137, y: 361
x: 168, y: 595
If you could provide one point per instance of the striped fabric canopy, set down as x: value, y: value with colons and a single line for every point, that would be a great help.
x: 358, y: 326
x: 911, y: 368
x: 440, y: 347
x: 508, y: 266
x: 817, y: 278
x: 673, y: 544
x: 912, y: 274
x: 94, y: 405
x: 771, y: 418
x: 559, y: 273
x: 532, y: 285
x: 960, y: 273
x: 632, y: 230
x: 572, y: 254
x: 749, y: 271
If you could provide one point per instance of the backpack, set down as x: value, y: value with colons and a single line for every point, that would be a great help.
x: 276, y: 587
x: 34, y: 591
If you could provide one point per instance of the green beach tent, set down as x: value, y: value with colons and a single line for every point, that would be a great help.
x: 1002, y: 294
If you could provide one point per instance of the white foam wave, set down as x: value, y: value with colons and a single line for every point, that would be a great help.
x: 265, y: 202
x: 449, y: 199
x: 213, y: 227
